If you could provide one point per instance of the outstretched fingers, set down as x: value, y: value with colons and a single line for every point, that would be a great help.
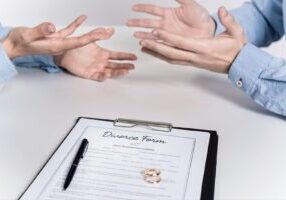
x: 170, y: 52
x: 83, y: 40
x: 161, y: 57
x: 149, y: 9
x: 180, y: 42
x: 71, y: 28
x: 114, y: 55
x: 120, y: 66
x: 144, y: 35
x: 145, y: 23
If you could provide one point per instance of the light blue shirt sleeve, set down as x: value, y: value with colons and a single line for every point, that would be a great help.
x: 8, y: 67
x: 260, y: 75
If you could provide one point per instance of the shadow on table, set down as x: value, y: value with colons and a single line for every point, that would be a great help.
x: 223, y: 88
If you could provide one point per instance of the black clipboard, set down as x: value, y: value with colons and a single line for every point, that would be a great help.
x: 208, y: 185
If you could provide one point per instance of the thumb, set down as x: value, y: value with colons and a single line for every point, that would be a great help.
x: 232, y: 27
x: 40, y: 31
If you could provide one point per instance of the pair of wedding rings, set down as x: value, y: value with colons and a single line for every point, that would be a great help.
x: 151, y: 175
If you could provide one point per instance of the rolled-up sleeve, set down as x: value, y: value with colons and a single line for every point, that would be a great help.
x: 44, y: 62
x: 262, y: 77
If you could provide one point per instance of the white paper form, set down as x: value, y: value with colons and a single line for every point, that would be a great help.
x: 112, y: 167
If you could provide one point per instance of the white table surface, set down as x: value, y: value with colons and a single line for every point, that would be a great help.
x: 38, y: 109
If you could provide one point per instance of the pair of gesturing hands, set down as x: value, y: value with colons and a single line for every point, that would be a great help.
x: 183, y: 35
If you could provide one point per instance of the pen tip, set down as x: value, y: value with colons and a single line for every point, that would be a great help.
x: 65, y: 187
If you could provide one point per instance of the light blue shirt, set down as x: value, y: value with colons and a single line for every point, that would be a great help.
x: 260, y: 75
x: 8, y: 67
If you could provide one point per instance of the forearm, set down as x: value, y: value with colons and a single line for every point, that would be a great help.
x: 262, y: 77
x: 262, y: 21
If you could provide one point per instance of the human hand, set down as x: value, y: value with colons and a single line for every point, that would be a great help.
x: 43, y: 39
x: 95, y: 63
x: 215, y: 54
x: 189, y: 20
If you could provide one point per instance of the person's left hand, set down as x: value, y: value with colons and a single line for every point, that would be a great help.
x: 215, y: 54
x: 95, y: 63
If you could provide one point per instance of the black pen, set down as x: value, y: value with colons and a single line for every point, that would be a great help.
x: 82, y: 150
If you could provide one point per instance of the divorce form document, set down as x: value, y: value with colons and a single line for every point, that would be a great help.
x: 116, y: 158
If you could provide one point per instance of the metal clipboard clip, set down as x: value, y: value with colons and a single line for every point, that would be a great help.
x: 155, y: 126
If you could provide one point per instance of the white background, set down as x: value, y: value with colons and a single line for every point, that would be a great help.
x: 31, y: 12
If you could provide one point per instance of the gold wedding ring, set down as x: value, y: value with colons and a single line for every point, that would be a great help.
x: 152, y: 179
x: 151, y: 175
x: 152, y: 172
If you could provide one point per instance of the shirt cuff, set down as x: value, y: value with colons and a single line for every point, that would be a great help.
x: 247, y: 67
x: 44, y: 62
x: 7, y: 68
x: 49, y: 64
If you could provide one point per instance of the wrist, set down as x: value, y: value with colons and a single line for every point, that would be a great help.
x: 236, y: 54
x: 58, y: 61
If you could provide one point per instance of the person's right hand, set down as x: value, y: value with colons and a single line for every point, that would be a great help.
x: 43, y: 39
x: 189, y: 20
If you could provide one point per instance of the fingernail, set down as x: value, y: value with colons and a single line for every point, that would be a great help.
x: 224, y: 12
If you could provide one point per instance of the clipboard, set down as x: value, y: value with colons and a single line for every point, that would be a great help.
x: 208, y: 184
